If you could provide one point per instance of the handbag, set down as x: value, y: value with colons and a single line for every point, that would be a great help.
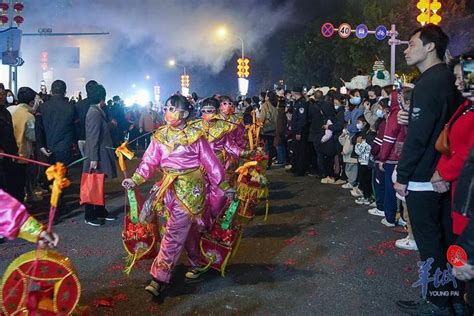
x: 442, y: 143
x: 92, y: 189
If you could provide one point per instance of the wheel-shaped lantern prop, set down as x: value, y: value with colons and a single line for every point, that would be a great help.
x: 40, y: 282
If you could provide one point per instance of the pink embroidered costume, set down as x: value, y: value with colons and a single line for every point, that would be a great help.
x: 219, y: 134
x: 184, y: 156
x: 15, y: 221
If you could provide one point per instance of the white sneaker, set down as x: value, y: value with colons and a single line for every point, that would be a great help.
x: 375, y: 211
x: 327, y: 180
x: 362, y: 201
x: 401, y: 222
x: 373, y: 204
x: 355, y: 192
x: 406, y: 243
x: 340, y: 181
x: 386, y: 223
x: 288, y: 167
x: 347, y: 186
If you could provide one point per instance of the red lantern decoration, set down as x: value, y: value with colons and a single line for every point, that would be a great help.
x: 4, y: 6
x: 3, y: 19
x: 18, y: 7
x: 18, y: 19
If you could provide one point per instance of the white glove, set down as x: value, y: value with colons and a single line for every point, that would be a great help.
x: 49, y: 240
x: 128, y: 184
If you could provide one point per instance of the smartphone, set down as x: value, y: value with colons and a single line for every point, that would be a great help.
x: 467, y: 65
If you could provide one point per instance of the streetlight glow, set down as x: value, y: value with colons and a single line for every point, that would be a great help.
x: 147, y: 77
x: 222, y: 32
x: 172, y: 62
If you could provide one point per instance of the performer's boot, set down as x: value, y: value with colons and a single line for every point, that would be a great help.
x: 195, y: 272
x: 155, y: 288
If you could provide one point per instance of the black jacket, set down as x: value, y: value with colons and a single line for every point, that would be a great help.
x: 299, y: 119
x: 7, y: 137
x: 316, y: 122
x: 54, y: 124
x: 464, y: 204
x: 433, y: 102
x: 81, y: 109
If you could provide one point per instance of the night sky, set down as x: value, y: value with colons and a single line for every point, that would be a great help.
x: 144, y: 35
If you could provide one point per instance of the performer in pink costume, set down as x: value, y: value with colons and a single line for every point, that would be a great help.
x: 183, y: 155
x: 227, y: 113
x: 15, y: 221
x: 218, y: 133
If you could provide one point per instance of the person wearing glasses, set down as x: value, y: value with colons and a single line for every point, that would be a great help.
x: 222, y: 143
x: 184, y: 156
x: 227, y: 113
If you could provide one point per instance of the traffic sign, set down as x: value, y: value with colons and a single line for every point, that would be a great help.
x: 361, y: 31
x: 327, y: 29
x: 344, y: 30
x: 381, y: 32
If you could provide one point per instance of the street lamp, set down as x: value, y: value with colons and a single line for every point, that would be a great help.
x: 185, y: 81
x: 173, y: 63
x: 222, y: 33
x: 147, y: 77
x: 242, y: 63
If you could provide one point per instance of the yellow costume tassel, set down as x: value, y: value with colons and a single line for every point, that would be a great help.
x: 211, y: 258
x: 130, y: 262
x: 266, y: 211
x: 237, y: 244
x: 224, y: 265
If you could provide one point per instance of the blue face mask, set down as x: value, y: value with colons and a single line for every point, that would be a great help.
x: 379, y: 113
x: 355, y: 100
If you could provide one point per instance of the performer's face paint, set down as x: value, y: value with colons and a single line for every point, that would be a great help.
x: 208, y: 113
x: 227, y: 108
x: 174, y: 117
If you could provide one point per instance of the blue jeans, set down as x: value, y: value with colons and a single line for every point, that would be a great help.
x: 281, y: 154
x: 390, y: 200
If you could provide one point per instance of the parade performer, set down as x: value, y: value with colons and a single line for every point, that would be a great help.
x: 183, y: 155
x: 218, y: 133
x: 15, y: 221
x: 227, y: 113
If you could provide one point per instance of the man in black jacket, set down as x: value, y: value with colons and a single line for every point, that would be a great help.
x: 433, y: 103
x: 54, y: 125
x: 299, y: 130
x: 81, y: 109
x: 7, y: 145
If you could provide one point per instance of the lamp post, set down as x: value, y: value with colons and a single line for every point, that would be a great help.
x: 173, y: 63
x: 185, y: 80
x: 243, y: 66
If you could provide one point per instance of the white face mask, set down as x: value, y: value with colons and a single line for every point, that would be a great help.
x: 379, y: 113
x: 337, y: 107
x: 10, y: 99
x: 360, y: 126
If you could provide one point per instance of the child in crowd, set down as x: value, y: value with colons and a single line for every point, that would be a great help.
x: 349, y: 161
x: 378, y: 181
x: 363, y: 140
